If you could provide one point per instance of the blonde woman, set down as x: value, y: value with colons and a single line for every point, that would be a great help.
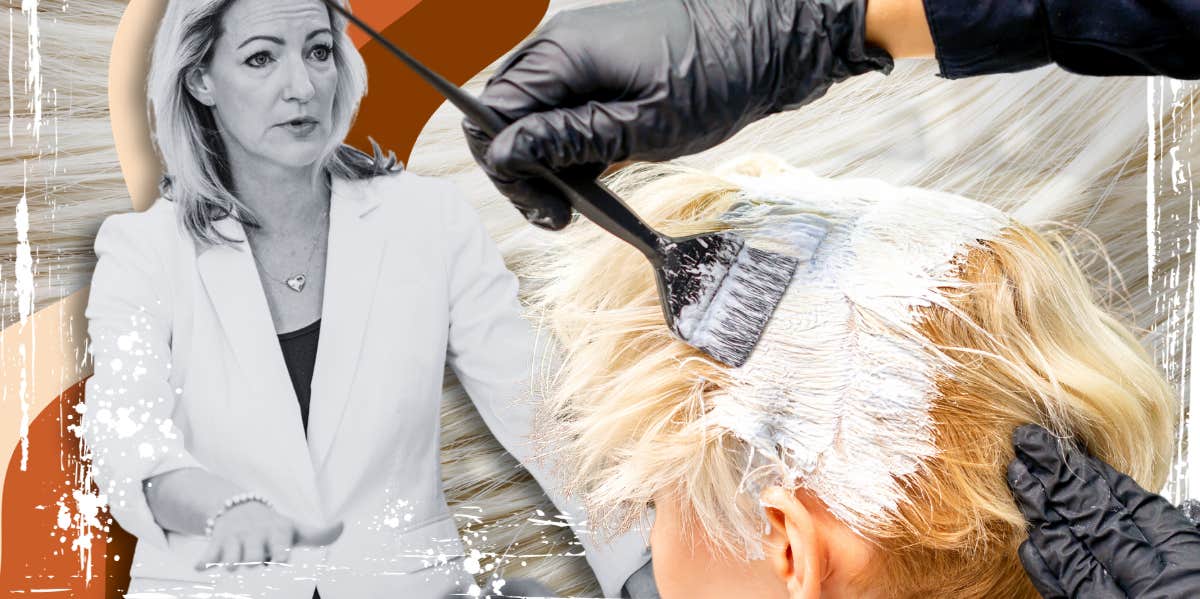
x: 270, y: 336
x: 657, y: 80
x: 864, y: 449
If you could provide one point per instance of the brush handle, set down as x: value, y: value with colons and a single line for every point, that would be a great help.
x: 600, y: 205
x: 590, y: 197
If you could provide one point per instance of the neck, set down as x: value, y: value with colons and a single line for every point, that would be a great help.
x: 285, y: 200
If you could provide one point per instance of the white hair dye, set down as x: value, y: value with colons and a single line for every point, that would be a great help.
x: 836, y: 397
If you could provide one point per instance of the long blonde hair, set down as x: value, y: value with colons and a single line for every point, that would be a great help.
x: 186, y: 134
x: 1019, y: 333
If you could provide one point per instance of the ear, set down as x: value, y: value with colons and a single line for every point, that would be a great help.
x: 793, y: 545
x: 199, y: 85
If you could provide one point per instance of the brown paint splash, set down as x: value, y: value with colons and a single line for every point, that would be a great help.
x: 455, y: 39
x: 37, y: 557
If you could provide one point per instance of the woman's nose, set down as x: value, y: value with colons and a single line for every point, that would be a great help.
x: 299, y: 86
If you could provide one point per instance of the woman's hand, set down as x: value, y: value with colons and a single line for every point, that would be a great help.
x: 252, y: 533
x: 654, y: 80
x: 1095, y: 533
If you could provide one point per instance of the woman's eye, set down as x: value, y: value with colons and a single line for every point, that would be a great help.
x: 321, y: 53
x: 259, y: 59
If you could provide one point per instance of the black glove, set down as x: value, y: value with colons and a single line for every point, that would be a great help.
x: 1094, y: 532
x: 658, y: 79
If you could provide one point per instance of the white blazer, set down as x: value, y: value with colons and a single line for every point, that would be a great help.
x: 189, y: 373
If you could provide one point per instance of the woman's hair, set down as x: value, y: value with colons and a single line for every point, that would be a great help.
x: 197, y: 175
x: 891, y: 396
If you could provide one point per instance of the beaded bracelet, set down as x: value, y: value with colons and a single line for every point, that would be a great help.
x: 231, y: 503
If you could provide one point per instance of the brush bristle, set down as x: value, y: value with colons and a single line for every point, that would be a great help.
x: 721, y: 293
x: 739, y: 311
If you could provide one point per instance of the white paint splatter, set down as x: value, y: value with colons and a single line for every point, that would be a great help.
x: 471, y: 562
x: 1179, y: 172
x: 1172, y: 225
x: 24, y: 272
x: 1151, y: 213
x: 80, y: 518
x: 34, y: 80
x: 12, y: 98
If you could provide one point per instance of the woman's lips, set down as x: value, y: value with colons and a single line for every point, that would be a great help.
x: 302, y: 127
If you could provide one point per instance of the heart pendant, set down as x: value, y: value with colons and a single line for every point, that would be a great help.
x: 296, y: 283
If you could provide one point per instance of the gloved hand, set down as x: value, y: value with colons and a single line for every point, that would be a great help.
x: 1094, y: 532
x: 658, y: 79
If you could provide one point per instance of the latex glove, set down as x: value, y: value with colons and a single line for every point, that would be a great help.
x: 655, y: 80
x: 1093, y: 531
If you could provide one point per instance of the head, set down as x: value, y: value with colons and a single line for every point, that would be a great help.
x: 862, y: 450
x: 262, y: 85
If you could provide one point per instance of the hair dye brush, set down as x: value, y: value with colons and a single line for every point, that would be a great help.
x: 717, y: 293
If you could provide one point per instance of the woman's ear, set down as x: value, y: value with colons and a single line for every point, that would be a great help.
x: 199, y: 85
x: 793, y: 544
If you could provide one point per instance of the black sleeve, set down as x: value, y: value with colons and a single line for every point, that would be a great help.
x: 1089, y: 37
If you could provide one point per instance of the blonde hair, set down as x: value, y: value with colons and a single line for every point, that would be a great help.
x: 1019, y: 332
x: 186, y: 133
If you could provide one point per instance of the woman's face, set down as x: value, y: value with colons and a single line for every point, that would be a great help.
x: 271, y: 82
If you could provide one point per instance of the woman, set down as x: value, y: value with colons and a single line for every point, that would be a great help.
x: 223, y: 434
x: 863, y: 449
x: 686, y: 75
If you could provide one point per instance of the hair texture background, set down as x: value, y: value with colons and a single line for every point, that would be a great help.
x: 1045, y: 145
x: 69, y: 172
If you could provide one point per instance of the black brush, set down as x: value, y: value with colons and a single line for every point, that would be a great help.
x: 717, y: 294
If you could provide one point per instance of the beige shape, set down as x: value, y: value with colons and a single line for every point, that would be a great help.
x: 127, y: 69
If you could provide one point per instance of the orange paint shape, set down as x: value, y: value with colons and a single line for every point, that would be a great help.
x: 378, y: 14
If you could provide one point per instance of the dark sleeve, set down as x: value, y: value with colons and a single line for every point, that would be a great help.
x: 1089, y: 37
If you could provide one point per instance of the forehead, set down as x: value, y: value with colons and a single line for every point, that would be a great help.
x: 248, y: 18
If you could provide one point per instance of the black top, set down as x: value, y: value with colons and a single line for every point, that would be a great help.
x: 1097, y: 37
x: 300, y: 354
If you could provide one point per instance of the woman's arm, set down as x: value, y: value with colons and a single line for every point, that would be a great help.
x: 661, y: 80
x: 1096, y: 37
x: 183, y: 500
x: 127, y: 418
x: 191, y: 499
x: 973, y: 37
x: 899, y: 27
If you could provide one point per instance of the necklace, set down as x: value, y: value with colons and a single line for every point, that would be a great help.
x: 297, y: 281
